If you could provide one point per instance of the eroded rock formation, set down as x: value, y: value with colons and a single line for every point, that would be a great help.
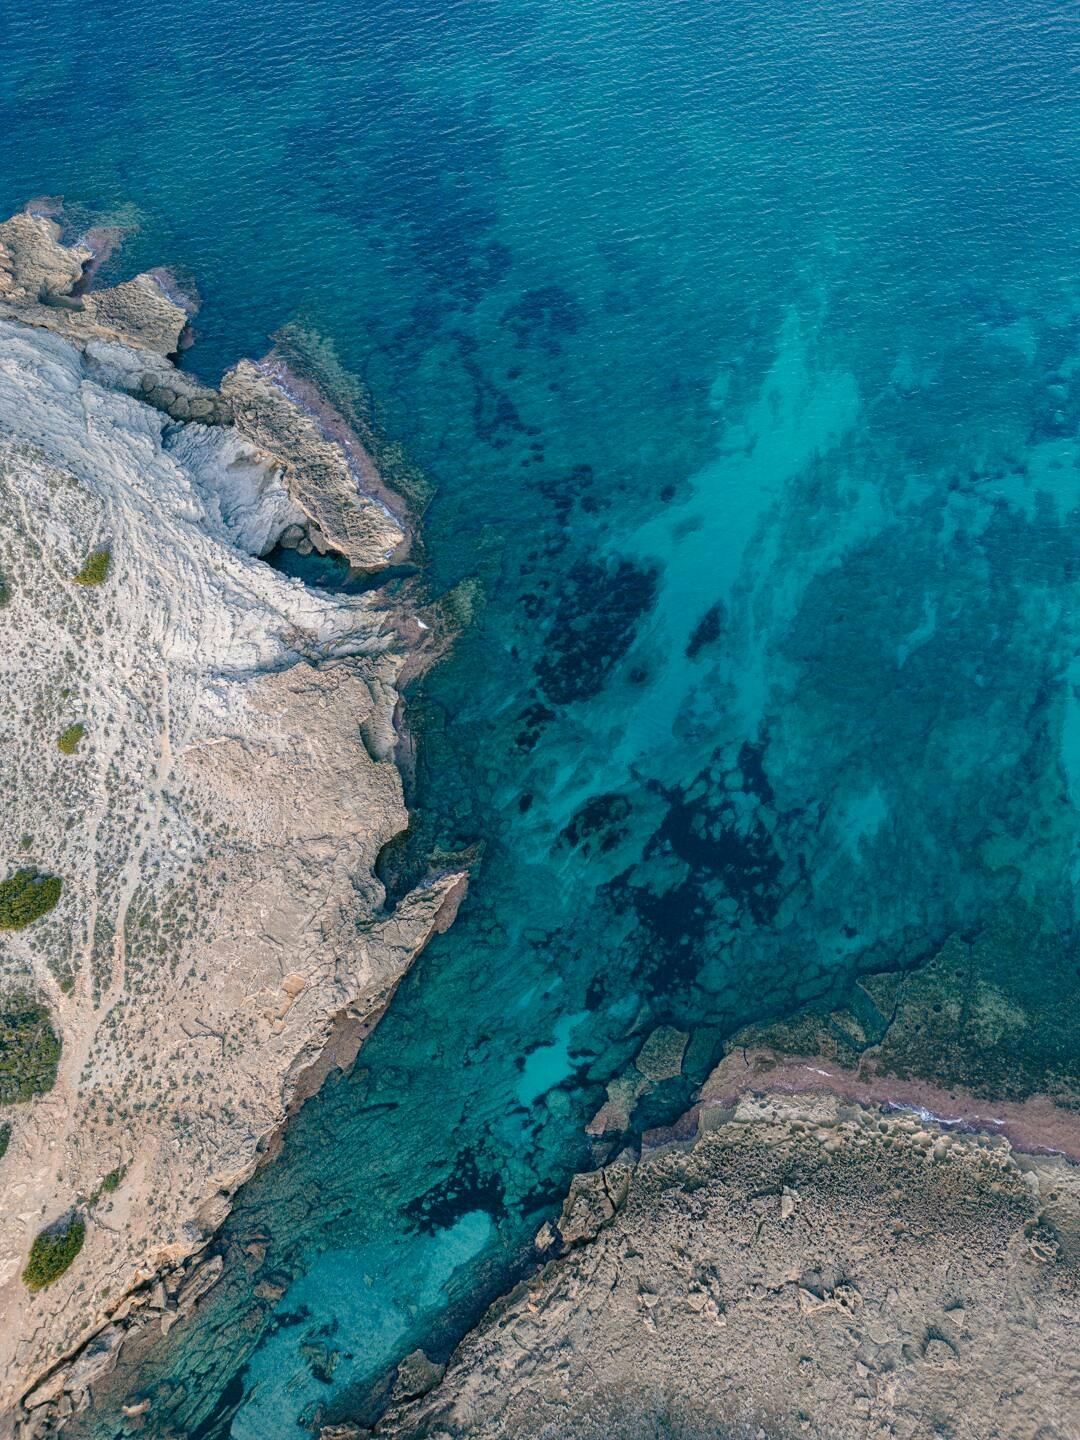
x: 226, y: 784
x: 797, y: 1267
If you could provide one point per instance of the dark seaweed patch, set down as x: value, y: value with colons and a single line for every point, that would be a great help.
x: 598, y: 824
x: 755, y: 781
x: 533, y: 719
x: 707, y: 631
x: 465, y: 1188
x: 220, y: 1418
x: 593, y: 627
x: 496, y: 420
x: 567, y: 489
x: 727, y: 853
x: 673, y: 922
x: 543, y: 317
x: 716, y: 842
x: 322, y: 1357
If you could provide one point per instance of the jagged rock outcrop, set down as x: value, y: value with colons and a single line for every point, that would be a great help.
x: 38, y: 274
x: 215, y: 822
x: 800, y: 1267
x: 322, y: 476
x: 129, y: 331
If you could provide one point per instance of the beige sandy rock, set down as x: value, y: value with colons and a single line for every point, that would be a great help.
x: 216, y: 829
x: 416, y: 1375
x: 34, y: 266
x: 38, y: 274
x: 323, y: 480
x: 139, y: 312
x: 593, y: 1201
x: 801, y: 1268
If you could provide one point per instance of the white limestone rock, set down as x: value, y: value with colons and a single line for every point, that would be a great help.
x: 216, y: 829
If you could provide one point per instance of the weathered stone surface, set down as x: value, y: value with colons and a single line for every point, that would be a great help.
x: 216, y: 829
x: 321, y: 478
x: 202, y: 1279
x: 34, y: 266
x: 96, y: 1360
x: 416, y: 1375
x: 804, y: 1268
x: 593, y: 1201
x: 139, y: 313
x: 38, y: 274
x: 661, y: 1057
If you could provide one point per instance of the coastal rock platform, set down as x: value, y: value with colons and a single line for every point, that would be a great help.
x: 791, y: 1266
x: 201, y: 752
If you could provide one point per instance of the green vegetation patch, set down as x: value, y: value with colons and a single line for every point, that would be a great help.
x: 26, y: 896
x: 29, y: 1048
x: 5, y: 592
x: 69, y: 740
x: 95, y: 568
x: 5, y: 1138
x: 112, y: 1180
x: 53, y: 1251
x: 109, y: 1185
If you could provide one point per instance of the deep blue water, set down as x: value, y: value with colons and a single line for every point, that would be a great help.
x: 743, y: 345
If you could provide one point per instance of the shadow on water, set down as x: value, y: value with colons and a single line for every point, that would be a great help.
x: 332, y: 572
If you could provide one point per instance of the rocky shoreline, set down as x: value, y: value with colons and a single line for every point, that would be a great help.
x: 911, y: 1184
x: 221, y: 941
x: 1034, y: 1126
x: 781, y: 1264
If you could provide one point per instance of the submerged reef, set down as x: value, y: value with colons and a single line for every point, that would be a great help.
x: 868, y: 1225
x: 196, y: 928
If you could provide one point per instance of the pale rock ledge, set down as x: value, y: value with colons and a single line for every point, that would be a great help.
x: 216, y: 828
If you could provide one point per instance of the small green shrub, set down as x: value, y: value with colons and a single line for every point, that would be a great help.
x: 95, y: 568
x: 5, y: 1137
x: 5, y: 592
x: 29, y: 1048
x: 69, y: 740
x: 110, y: 1183
x: 25, y: 897
x: 53, y: 1251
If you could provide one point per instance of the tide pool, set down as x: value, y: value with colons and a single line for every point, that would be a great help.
x: 742, y: 343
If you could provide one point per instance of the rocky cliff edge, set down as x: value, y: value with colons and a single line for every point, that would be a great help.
x: 201, y: 752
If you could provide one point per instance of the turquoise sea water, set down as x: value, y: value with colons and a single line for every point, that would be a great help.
x: 743, y: 344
